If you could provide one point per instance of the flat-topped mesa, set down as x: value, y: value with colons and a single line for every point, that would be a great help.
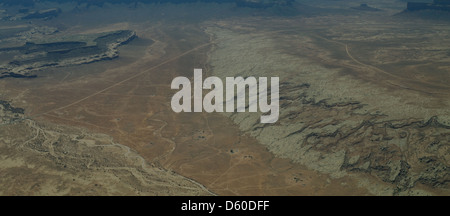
x: 441, y: 2
x: 75, y: 50
x: 443, y: 5
x: 365, y: 7
x: 263, y: 3
x: 43, y: 14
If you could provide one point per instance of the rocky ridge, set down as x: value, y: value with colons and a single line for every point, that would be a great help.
x: 334, y: 133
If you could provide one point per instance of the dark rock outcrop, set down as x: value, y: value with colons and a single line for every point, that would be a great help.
x: 365, y: 7
x: 9, y: 113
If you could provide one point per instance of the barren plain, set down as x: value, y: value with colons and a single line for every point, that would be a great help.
x: 364, y: 99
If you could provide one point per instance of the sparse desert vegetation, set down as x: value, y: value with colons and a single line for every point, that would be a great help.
x: 364, y: 100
